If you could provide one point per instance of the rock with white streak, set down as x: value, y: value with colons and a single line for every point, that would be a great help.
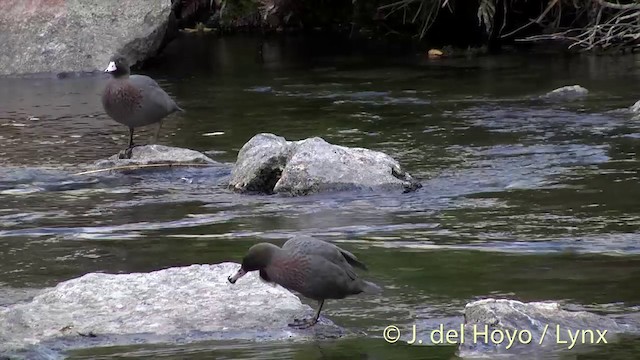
x: 566, y: 93
x: 188, y: 303
x: 156, y: 154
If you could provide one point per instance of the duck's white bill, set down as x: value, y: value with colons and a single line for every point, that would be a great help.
x: 238, y: 275
x: 111, y: 67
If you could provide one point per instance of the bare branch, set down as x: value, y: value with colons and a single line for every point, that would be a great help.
x: 611, y: 26
x: 609, y: 5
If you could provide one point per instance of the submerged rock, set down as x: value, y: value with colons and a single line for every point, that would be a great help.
x: 75, y: 36
x: 535, y: 327
x: 156, y: 154
x: 270, y: 164
x: 188, y: 303
x: 564, y: 93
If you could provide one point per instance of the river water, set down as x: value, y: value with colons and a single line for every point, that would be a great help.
x: 522, y: 198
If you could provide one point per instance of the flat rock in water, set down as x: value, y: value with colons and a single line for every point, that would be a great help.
x: 565, y: 93
x: 78, y: 36
x: 270, y: 164
x: 156, y: 154
x: 187, y: 303
x: 546, y: 324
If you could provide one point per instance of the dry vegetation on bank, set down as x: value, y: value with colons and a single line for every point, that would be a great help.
x: 583, y: 25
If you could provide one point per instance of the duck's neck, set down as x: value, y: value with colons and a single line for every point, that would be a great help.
x: 120, y: 73
x: 277, y: 252
x: 124, y: 76
x: 274, y: 251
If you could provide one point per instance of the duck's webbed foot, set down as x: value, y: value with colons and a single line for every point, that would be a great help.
x: 127, y: 153
x: 304, y: 323
x: 307, y: 323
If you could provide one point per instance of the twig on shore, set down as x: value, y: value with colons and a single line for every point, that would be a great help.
x: 140, y: 166
x: 618, y: 6
x: 614, y: 26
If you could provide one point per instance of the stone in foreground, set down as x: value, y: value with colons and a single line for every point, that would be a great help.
x: 566, y: 93
x: 75, y: 36
x: 156, y: 154
x: 539, y: 321
x: 195, y: 302
x: 270, y: 164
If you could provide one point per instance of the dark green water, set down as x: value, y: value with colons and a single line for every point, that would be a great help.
x: 521, y: 199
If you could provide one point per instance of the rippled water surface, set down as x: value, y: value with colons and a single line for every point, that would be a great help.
x: 522, y: 198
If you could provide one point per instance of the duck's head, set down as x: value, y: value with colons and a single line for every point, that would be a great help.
x: 118, y: 66
x: 257, y: 258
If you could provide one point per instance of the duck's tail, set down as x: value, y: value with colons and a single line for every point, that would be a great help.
x: 370, y: 288
x: 351, y: 259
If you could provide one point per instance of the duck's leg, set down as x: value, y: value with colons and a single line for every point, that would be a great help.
x: 156, y: 134
x: 126, y: 153
x: 130, y: 137
x: 303, y: 324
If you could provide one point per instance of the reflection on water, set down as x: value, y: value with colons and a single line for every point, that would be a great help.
x: 521, y: 198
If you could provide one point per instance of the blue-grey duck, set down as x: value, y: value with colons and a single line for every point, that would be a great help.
x: 135, y: 100
x: 314, y: 268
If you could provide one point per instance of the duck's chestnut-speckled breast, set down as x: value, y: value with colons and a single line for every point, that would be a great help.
x: 121, y: 100
x: 290, y: 272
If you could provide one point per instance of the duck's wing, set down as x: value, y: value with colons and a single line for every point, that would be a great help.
x: 143, y: 80
x: 154, y: 92
x: 309, y: 246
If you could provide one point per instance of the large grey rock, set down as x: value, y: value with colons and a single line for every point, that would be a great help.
x: 156, y: 154
x: 566, y: 93
x: 195, y: 302
x: 270, y: 164
x: 546, y: 324
x: 78, y: 35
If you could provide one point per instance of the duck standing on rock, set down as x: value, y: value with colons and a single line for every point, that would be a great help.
x: 135, y: 100
x: 316, y: 269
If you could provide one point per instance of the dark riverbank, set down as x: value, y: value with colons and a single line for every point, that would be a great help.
x: 522, y: 198
x: 593, y: 25
x: 63, y: 35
